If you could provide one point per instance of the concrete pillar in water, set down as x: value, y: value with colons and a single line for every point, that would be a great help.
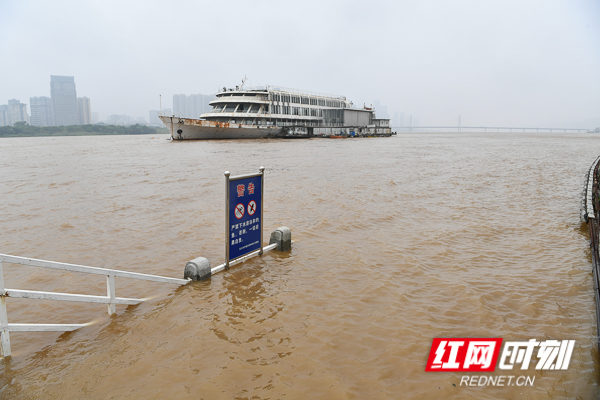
x: 198, y: 269
x: 283, y: 237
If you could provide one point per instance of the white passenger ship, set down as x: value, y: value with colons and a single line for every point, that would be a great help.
x: 271, y: 112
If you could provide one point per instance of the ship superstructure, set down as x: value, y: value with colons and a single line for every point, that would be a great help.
x: 277, y: 112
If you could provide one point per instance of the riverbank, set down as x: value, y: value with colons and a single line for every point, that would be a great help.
x: 23, y: 130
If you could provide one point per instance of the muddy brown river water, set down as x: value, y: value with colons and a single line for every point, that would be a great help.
x: 396, y: 241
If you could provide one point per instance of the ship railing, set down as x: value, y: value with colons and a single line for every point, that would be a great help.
x: 111, y: 300
x: 312, y: 124
x: 295, y: 91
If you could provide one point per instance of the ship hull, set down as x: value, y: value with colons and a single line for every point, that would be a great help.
x: 198, y: 129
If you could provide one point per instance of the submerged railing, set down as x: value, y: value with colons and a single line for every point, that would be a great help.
x: 590, y: 213
x: 111, y: 300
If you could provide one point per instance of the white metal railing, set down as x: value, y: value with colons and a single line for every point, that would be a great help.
x: 111, y: 300
x: 223, y: 266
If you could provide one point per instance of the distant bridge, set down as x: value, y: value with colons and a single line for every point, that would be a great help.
x: 487, y: 128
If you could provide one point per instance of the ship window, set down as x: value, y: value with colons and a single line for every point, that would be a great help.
x: 321, y: 102
x: 229, y: 108
x: 313, y: 101
x: 304, y: 100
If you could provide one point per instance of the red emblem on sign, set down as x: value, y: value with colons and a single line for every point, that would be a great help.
x: 239, y: 211
x: 251, y: 207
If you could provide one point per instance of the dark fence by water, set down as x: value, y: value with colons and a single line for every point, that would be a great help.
x: 590, y: 213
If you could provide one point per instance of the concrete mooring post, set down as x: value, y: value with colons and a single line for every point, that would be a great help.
x: 283, y: 237
x: 198, y: 269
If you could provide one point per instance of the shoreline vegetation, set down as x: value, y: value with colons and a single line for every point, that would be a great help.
x: 20, y: 129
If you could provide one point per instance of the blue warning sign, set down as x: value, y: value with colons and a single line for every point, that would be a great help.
x: 244, y: 211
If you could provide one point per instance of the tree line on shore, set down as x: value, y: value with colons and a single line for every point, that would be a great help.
x: 21, y: 129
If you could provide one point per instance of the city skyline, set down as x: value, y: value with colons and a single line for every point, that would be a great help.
x: 519, y: 63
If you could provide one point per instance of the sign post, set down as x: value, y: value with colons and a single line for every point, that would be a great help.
x: 243, y: 214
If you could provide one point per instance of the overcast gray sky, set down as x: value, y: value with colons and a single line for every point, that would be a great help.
x: 508, y: 62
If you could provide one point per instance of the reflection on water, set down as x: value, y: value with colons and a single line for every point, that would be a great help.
x: 397, y: 241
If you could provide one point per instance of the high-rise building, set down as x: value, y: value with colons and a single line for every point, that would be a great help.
x: 14, y: 112
x: 64, y: 100
x: 84, y: 111
x: 17, y: 112
x: 179, y: 105
x: 4, y: 115
x: 191, y: 106
x: 42, y: 113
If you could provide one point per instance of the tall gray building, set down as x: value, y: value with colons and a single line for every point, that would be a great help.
x: 15, y: 111
x: 64, y: 100
x: 84, y: 111
x: 4, y: 115
x: 42, y: 113
x: 179, y: 105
